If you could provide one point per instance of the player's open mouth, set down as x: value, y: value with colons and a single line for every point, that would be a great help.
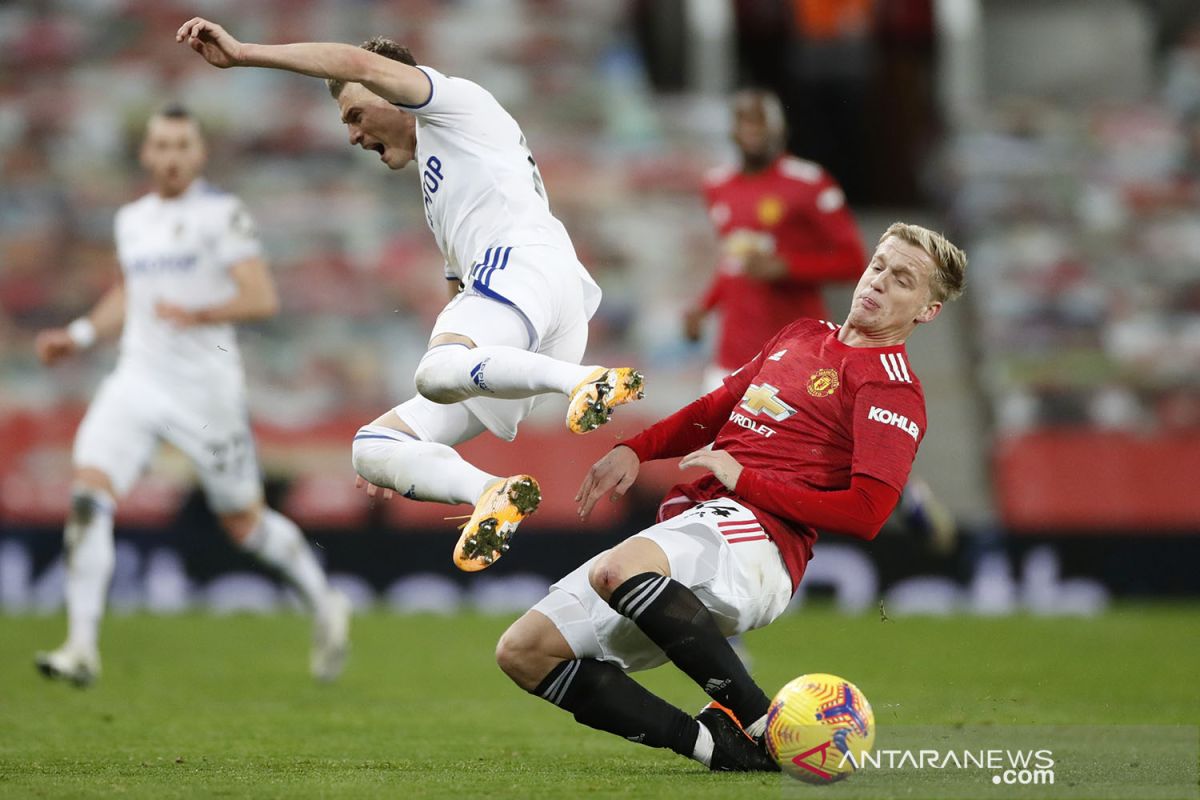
x: 378, y: 147
x: 868, y: 303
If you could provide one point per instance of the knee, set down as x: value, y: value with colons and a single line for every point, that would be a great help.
x: 437, y: 379
x: 511, y: 653
x: 239, y: 525
x: 608, y: 573
x: 527, y: 654
x: 373, y: 445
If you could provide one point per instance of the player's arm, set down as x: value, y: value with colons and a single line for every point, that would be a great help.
x: 391, y: 80
x: 104, y: 321
x: 832, y: 249
x: 884, y: 449
x: 694, y: 425
x: 858, y: 511
x: 256, y: 299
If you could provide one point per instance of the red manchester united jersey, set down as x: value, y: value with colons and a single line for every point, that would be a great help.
x: 796, y: 211
x: 811, y: 413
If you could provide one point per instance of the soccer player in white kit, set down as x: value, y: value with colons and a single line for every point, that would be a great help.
x: 515, y: 328
x: 191, y: 266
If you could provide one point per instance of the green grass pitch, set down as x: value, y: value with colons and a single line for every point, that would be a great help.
x: 203, y: 706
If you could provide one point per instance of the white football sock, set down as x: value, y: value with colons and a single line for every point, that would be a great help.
x: 757, y: 728
x: 418, y: 470
x: 453, y: 373
x: 90, y: 557
x: 277, y: 541
x: 704, y: 746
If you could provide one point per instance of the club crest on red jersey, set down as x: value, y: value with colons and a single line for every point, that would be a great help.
x: 770, y: 211
x: 764, y: 399
x: 823, y: 382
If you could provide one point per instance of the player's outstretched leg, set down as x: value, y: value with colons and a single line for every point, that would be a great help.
x: 88, y: 537
x: 419, y: 470
x: 672, y: 617
x: 278, y: 541
x: 498, y: 512
x: 451, y: 373
x: 600, y: 695
x: 393, y: 459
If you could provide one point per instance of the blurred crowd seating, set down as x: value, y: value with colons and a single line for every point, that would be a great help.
x: 359, y: 274
x: 1083, y: 227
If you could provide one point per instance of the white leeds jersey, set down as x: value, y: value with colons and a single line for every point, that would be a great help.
x: 180, y: 251
x: 480, y: 183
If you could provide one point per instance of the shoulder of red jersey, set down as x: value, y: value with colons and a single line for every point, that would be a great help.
x: 798, y: 169
x: 888, y: 367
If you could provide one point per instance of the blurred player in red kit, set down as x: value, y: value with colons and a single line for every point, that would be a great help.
x: 785, y: 232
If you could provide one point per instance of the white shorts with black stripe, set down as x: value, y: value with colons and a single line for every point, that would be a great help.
x: 717, y: 549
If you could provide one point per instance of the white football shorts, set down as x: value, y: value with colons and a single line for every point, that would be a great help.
x: 131, y: 414
x: 529, y: 297
x: 717, y: 549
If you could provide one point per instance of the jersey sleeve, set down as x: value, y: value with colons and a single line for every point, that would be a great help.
x: 236, y: 235
x: 451, y: 100
x: 832, y: 249
x: 889, y: 423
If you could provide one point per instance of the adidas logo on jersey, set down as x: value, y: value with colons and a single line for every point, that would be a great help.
x: 897, y: 420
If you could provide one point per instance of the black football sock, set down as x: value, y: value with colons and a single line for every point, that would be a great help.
x: 671, y: 615
x: 601, y: 696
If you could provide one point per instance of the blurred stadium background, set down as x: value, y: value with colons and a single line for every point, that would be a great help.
x: 1057, y: 141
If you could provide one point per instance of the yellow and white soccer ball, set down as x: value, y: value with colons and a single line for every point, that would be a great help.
x: 818, y: 727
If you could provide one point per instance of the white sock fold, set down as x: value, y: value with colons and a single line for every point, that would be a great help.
x: 450, y: 374
x: 757, y: 728
x: 278, y: 541
x: 88, y: 537
x: 418, y: 470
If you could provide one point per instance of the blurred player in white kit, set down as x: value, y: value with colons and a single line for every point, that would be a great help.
x: 515, y: 328
x: 191, y: 267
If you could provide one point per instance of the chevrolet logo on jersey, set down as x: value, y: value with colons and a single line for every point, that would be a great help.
x: 765, y: 399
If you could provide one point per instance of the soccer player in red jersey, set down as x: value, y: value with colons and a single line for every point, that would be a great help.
x: 785, y: 232
x: 819, y: 430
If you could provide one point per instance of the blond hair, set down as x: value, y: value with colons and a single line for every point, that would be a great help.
x: 950, y: 275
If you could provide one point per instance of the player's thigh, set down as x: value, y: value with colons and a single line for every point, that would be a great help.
x: 119, y: 432
x: 720, y: 551
x: 590, y: 625
x: 444, y: 423
x: 592, y: 629
x: 213, y: 430
x: 485, y: 321
x: 539, y: 282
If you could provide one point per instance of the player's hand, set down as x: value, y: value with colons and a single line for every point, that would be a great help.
x: 54, y: 344
x: 693, y: 323
x: 718, y: 462
x: 372, y: 489
x: 611, y: 475
x: 211, y: 41
x: 765, y: 266
x: 177, y: 315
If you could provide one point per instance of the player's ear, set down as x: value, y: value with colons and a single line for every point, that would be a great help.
x: 929, y: 312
